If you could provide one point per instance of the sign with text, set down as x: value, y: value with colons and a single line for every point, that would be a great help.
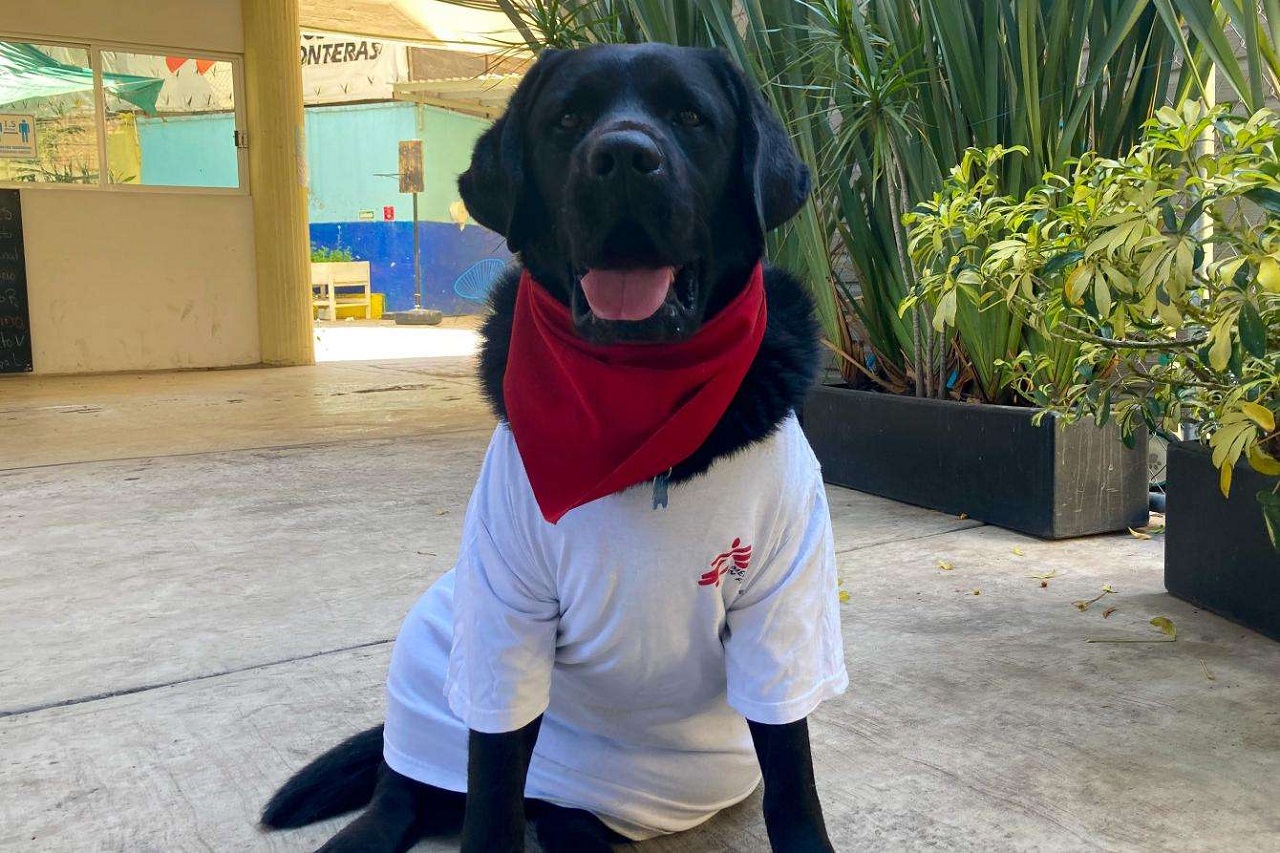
x: 340, y: 69
x: 15, y: 322
x: 18, y: 136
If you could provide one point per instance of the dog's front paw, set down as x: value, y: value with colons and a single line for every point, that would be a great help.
x: 799, y: 837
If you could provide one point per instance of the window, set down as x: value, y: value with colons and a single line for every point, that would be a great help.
x: 47, y: 109
x: 180, y: 134
x: 120, y: 118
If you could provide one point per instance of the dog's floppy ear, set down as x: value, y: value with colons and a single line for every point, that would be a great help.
x: 495, y: 187
x: 776, y: 179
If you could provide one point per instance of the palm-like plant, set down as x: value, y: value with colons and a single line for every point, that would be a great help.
x: 883, y: 97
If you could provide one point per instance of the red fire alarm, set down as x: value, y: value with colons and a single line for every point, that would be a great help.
x: 389, y: 213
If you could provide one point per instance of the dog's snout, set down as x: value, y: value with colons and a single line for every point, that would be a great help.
x: 623, y: 153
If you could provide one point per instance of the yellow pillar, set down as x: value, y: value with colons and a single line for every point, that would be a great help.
x: 278, y: 179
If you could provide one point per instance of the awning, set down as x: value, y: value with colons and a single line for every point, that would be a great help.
x: 469, y: 26
x: 28, y: 73
x: 485, y: 95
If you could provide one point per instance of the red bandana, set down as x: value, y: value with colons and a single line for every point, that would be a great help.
x: 591, y: 420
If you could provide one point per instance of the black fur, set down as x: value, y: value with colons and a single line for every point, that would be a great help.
x: 340, y: 781
x: 723, y: 183
x: 779, y: 377
x: 726, y: 179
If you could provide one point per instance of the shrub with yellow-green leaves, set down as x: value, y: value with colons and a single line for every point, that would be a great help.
x: 1149, y: 284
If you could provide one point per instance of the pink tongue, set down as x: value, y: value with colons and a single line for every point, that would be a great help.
x: 627, y: 294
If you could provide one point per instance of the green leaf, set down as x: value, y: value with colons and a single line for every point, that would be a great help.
x: 1263, y: 462
x: 1166, y: 626
x: 1271, y: 515
x: 1058, y: 263
x: 1220, y: 344
x: 1269, y: 275
x: 1260, y: 415
x: 945, y: 315
x: 1253, y: 331
x: 1102, y: 296
x: 1267, y: 199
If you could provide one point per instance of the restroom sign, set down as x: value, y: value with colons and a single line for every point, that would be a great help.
x: 18, y: 136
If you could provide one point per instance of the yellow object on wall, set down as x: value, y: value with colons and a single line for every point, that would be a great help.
x: 357, y: 311
x: 124, y: 150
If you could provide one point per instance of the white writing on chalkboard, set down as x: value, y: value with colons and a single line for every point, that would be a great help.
x: 15, y: 324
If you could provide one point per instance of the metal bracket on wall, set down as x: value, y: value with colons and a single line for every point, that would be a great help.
x: 241, y: 138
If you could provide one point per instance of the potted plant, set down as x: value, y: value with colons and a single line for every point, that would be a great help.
x: 1160, y: 272
x: 882, y: 99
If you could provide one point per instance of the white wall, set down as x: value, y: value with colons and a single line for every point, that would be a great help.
x: 139, y: 281
x: 121, y: 280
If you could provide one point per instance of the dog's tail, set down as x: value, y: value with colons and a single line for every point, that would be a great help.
x: 340, y: 781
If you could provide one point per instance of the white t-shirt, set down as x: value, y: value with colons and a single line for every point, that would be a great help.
x: 644, y: 635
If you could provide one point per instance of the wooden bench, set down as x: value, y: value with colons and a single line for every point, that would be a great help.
x: 346, y: 283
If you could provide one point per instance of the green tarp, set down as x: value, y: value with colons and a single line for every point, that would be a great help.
x: 28, y: 73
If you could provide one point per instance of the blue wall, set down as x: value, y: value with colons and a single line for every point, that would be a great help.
x: 349, y: 148
x: 388, y: 246
x: 189, y: 151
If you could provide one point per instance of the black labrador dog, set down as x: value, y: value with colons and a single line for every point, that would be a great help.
x: 616, y: 158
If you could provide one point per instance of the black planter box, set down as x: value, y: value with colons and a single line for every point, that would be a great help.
x: 989, y: 462
x: 1217, y: 554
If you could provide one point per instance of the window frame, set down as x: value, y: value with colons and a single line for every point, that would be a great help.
x: 95, y: 49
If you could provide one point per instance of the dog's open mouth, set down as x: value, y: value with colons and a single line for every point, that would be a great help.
x: 628, y: 295
x: 635, y: 295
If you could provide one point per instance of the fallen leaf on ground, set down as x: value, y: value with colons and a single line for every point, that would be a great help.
x: 1138, y: 534
x: 1046, y: 576
x: 945, y: 566
x: 1164, y: 624
x: 1044, y: 584
x: 844, y: 596
x: 1207, y: 674
x: 977, y: 592
x: 1108, y: 612
x: 1017, y: 551
x: 962, y: 516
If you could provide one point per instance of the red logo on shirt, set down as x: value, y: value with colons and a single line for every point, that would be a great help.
x: 733, y: 562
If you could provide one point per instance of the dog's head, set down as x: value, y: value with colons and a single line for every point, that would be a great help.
x: 637, y: 183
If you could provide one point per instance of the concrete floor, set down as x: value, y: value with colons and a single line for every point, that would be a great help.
x: 380, y: 340
x: 201, y: 573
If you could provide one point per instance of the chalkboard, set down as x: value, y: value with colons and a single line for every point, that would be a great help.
x: 15, y: 320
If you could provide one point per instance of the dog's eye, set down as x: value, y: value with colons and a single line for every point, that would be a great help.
x: 570, y: 121
x: 690, y: 118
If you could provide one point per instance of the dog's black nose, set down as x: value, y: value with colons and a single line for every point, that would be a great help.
x: 623, y: 151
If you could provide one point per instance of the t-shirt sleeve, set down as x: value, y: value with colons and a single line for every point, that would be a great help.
x: 783, y: 648
x: 505, y: 616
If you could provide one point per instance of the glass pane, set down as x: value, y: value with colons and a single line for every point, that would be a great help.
x: 170, y: 120
x: 47, y: 131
